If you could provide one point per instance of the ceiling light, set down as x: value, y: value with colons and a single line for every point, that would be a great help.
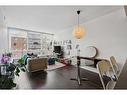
x: 79, y: 31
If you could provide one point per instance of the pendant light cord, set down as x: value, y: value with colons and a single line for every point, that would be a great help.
x: 78, y: 20
x: 78, y: 12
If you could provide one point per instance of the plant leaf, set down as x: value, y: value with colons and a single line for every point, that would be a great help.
x: 23, y: 69
x: 21, y: 61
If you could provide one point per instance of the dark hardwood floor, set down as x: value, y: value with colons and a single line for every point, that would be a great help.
x: 58, y: 79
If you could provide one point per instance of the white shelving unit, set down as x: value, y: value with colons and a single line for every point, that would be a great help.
x: 34, y: 41
x: 40, y: 43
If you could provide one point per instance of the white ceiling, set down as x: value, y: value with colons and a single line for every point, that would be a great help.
x: 52, y: 18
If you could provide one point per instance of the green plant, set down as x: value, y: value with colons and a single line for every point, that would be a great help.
x: 6, y: 81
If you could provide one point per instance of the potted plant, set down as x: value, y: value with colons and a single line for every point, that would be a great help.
x: 12, y: 69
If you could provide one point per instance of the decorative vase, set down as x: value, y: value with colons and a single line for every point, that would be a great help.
x: 3, y: 70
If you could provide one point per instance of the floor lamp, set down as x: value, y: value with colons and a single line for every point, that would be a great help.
x: 79, y: 32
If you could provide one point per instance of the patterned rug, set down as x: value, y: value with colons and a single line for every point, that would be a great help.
x: 55, y: 66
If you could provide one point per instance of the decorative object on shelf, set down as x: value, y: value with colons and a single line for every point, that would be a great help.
x: 77, y: 46
x: 79, y: 31
x: 64, y: 42
x: 51, y: 43
x: 35, y: 43
x: 69, y: 47
x: 69, y: 41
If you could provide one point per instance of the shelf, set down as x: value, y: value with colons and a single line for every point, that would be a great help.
x: 34, y: 44
x: 34, y: 48
x: 34, y: 38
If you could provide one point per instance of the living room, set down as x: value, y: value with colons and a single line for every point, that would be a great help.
x: 47, y: 32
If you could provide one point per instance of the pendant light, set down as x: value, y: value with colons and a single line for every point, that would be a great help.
x: 79, y: 31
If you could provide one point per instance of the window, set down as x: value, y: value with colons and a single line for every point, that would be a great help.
x: 24, y: 41
x: 17, y: 42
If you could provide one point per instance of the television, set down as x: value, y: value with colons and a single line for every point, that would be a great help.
x: 57, y: 49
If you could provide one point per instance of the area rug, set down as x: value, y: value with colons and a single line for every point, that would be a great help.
x: 55, y: 66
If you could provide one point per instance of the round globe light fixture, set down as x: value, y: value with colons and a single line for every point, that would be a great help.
x: 79, y: 31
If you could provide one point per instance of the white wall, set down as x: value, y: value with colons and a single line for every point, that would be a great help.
x: 108, y: 33
x: 3, y: 34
